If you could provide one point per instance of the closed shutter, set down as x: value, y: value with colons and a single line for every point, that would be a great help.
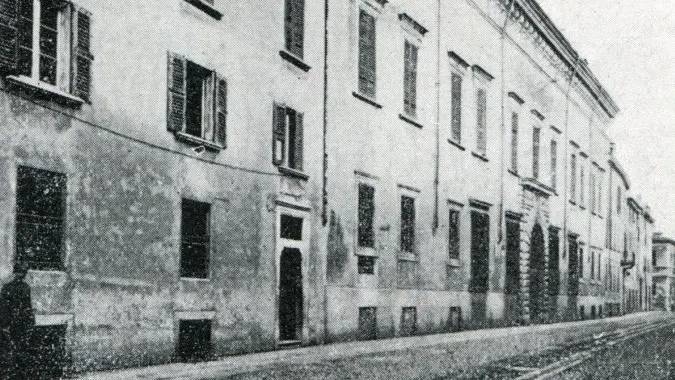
x: 573, y: 178
x: 295, y: 26
x: 407, y: 224
x: 366, y: 216
x: 176, y: 93
x: 8, y: 34
x: 410, y: 79
x: 514, y: 142
x: 453, y: 234
x: 481, y: 122
x: 456, y: 108
x: 279, y: 135
x: 298, y: 141
x: 554, y: 164
x: 536, y: 133
x: 81, y: 54
x: 221, y: 112
x: 367, y: 54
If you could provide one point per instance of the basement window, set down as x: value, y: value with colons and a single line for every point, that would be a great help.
x: 194, y: 340
x: 366, y: 265
x: 195, y: 239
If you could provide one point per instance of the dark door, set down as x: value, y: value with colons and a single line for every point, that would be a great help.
x: 194, y: 340
x: 480, y: 265
x: 47, y: 352
x: 367, y: 323
x: 290, y: 295
x: 537, y: 274
x: 553, y: 268
x: 512, y: 286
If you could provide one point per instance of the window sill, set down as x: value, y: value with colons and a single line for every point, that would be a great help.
x: 410, y: 120
x: 195, y: 279
x: 366, y: 252
x: 295, y: 60
x: 193, y: 140
x: 573, y: 202
x: 456, y: 144
x: 293, y: 173
x: 407, y: 256
x: 582, y: 207
x: 45, y: 90
x: 454, y: 263
x: 206, y: 8
x: 514, y: 173
x: 479, y: 156
x: 367, y: 99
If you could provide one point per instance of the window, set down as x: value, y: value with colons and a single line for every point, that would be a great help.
x: 481, y: 122
x: 453, y: 234
x: 592, y: 188
x: 536, y: 135
x: 512, y: 282
x: 581, y: 262
x: 408, y: 321
x: 618, y: 200
x: 290, y: 227
x: 410, y: 79
x: 554, y: 164
x: 407, y: 224
x: 366, y: 236
x: 197, y: 103
x: 195, y: 239
x: 582, y: 192
x: 294, y: 27
x: 288, y: 137
x: 194, y: 340
x: 40, y: 218
x: 366, y: 265
x: 480, y: 252
x: 573, y: 178
x: 514, y: 142
x: 32, y: 44
x: 592, y: 258
x: 456, y: 110
x: 367, y: 54
x: 367, y: 323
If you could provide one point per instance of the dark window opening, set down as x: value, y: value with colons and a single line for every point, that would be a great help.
x: 536, y: 135
x: 367, y: 51
x: 554, y: 164
x: 291, y: 227
x: 455, y: 319
x: 290, y: 295
x: 295, y: 27
x: 537, y: 275
x: 408, y: 321
x: 40, y: 218
x: 514, y: 142
x: 480, y: 252
x: 554, y: 262
x: 195, y: 239
x: 456, y: 120
x: 582, y: 312
x: 366, y: 265
x: 481, y: 122
x: 199, y: 101
x: 288, y: 137
x: 367, y: 323
x: 47, y: 352
x: 410, y: 79
x: 453, y: 234
x: 407, y: 224
x: 573, y: 272
x: 512, y: 257
x: 194, y: 340
x: 581, y: 262
x: 366, y: 236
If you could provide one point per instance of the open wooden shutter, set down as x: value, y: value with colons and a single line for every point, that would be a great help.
x: 8, y: 35
x: 298, y: 148
x: 221, y: 111
x: 279, y: 135
x: 176, y: 93
x: 81, y: 54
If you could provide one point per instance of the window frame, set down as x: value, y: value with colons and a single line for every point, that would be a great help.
x: 283, y: 136
x: 367, y: 10
x: 185, y: 202
x: 454, y: 242
x: 411, y: 49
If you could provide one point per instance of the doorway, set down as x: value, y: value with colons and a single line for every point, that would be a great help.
x: 48, y: 352
x: 537, y: 274
x: 290, y: 295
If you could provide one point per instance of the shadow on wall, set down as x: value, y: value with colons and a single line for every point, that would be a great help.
x: 338, y: 252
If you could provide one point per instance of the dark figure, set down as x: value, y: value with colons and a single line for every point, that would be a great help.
x: 16, y: 321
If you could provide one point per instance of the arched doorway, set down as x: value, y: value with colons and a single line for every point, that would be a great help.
x: 537, y: 274
x: 290, y: 295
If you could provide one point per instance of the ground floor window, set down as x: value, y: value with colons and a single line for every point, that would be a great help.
x: 194, y: 340
x: 408, y: 321
x: 367, y: 323
x: 47, y: 352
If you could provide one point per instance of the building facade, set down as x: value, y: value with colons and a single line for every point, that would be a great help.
x: 356, y: 169
x: 663, y: 275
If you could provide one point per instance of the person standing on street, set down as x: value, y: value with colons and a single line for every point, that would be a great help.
x: 17, y: 320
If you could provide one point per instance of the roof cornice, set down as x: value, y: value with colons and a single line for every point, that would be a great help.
x: 616, y: 166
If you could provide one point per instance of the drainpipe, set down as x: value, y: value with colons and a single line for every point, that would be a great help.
x: 438, y: 117
x: 324, y: 190
x: 502, y: 174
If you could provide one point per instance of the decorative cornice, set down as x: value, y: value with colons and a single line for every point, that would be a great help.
x: 458, y: 60
x: 482, y: 72
x: 537, y: 114
x: 455, y: 203
x: 479, y: 204
x: 574, y: 144
x: 537, y: 187
x: 513, y: 215
x: 555, y: 129
x: 583, y: 154
x: 517, y: 98
x: 412, y: 23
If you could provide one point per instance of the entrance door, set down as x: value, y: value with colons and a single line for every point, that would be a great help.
x: 290, y: 295
x: 47, y: 352
x: 537, y: 274
x: 512, y: 286
x: 480, y: 264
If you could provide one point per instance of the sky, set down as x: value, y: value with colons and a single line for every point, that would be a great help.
x: 630, y: 47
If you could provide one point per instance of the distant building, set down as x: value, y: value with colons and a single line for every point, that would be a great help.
x: 663, y: 275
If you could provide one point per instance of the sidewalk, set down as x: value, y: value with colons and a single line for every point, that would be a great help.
x: 398, y: 358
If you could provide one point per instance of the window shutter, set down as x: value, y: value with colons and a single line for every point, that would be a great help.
x: 8, y: 35
x: 176, y: 93
x: 294, y: 26
x: 221, y: 112
x: 410, y: 79
x: 279, y: 135
x: 481, y: 124
x: 299, y: 133
x: 456, y: 108
x: 81, y: 54
x: 367, y: 62
x: 535, y: 152
x: 554, y: 164
x: 514, y: 142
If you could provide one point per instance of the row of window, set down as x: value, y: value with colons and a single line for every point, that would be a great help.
x: 368, y: 329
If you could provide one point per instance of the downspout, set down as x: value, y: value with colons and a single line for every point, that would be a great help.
x: 502, y: 225
x: 324, y: 190
x: 438, y: 117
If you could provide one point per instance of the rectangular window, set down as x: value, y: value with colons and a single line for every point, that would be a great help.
x: 40, y: 218
x: 554, y: 164
x: 481, y: 122
x: 366, y: 265
x: 40, y: 26
x: 294, y: 26
x: 573, y: 178
x: 197, y: 102
x: 536, y: 135
x: 407, y: 224
x: 453, y: 234
x: 290, y: 227
x: 592, y: 258
x: 367, y: 323
x: 581, y: 262
x: 195, y: 239
x: 366, y: 235
x: 480, y: 252
x: 288, y: 138
x: 456, y: 118
x: 514, y: 142
x: 592, y: 189
x: 410, y: 79
x: 618, y: 200
x: 194, y: 340
x: 367, y: 54
x: 512, y: 284
x: 408, y: 321
x: 582, y: 178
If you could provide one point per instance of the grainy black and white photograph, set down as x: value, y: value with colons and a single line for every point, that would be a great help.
x: 337, y: 189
